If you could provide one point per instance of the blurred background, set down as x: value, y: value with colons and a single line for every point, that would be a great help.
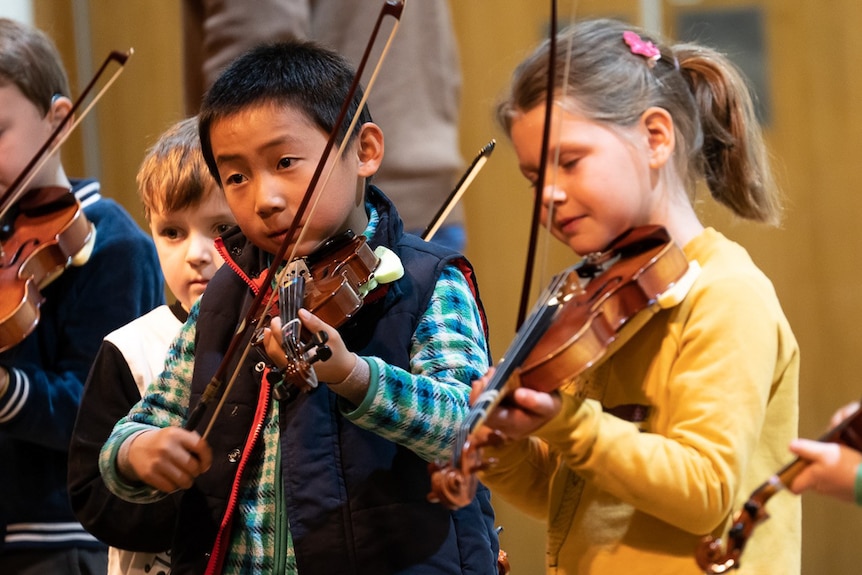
x: 804, y: 60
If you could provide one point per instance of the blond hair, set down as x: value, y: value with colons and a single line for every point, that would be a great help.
x: 173, y: 175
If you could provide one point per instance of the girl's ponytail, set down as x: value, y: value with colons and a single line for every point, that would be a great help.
x: 735, y: 161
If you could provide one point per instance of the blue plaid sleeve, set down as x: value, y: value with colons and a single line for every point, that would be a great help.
x: 422, y: 409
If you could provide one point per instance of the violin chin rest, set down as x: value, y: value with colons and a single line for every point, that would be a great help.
x: 85, y: 252
x: 676, y: 293
x: 390, y: 268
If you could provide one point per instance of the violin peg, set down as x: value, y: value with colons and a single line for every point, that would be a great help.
x: 323, y: 353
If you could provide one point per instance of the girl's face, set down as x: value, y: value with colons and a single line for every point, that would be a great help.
x: 266, y: 156
x: 602, y: 185
x: 185, y: 242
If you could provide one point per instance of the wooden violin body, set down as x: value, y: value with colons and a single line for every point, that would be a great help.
x: 337, y: 273
x: 329, y: 283
x: 43, y: 233
x: 586, y: 314
x: 42, y: 229
x: 710, y: 556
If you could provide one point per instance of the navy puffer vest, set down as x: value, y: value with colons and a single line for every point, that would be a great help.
x: 356, y: 502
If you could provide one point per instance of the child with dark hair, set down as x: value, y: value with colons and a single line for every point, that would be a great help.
x: 334, y: 480
x: 112, y: 279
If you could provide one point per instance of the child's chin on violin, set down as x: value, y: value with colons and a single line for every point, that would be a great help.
x: 346, y: 457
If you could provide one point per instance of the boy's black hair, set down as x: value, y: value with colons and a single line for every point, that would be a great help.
x: 304, y: 75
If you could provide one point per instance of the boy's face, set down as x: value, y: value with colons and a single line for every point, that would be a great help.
x: 185, y: 243
x: 23, y: 130
x: 266, y: 156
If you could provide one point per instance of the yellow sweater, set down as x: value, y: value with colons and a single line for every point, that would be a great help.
x: 718, y: 375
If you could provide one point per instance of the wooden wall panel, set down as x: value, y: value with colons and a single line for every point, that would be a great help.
x: 814, y: 62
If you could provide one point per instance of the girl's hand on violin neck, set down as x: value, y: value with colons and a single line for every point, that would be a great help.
x: 521, y: 412
x: 168, y: 459
x: 832, y: 470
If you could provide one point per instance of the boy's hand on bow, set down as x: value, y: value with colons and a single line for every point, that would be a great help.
x: 168, y: 459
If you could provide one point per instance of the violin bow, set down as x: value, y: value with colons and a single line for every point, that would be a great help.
x: 540, y: 181
x: 257, y: 311
x: 455, y: 196
x: 57, y: 137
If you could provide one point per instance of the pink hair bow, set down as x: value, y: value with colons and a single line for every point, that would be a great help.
x: 642, y: 47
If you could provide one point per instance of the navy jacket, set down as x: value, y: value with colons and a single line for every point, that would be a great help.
x: 121, y: 281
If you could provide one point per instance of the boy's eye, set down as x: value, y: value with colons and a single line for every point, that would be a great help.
x: 285, y: 163
x: 235, y: 179
x: 222, y: 228
x: 170, y: 233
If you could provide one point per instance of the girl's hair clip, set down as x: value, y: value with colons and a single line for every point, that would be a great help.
x: 642, y: 47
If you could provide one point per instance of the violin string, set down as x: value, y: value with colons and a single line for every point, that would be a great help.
x: 531, y: 328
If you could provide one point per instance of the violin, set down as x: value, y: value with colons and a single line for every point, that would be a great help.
x: 587, y: 312
x: 709, y: 555
x: 44, y: 232
x: 332, y: 284
x: 336, y: 276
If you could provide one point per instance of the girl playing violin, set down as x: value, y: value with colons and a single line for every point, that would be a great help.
x: 633, y: 463
x: 333, y: 480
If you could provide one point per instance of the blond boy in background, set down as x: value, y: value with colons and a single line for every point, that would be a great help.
x: 186, y: 211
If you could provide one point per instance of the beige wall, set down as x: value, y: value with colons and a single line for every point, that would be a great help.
x: 814, y: 53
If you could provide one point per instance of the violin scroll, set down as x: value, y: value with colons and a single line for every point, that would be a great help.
x: 454, y: 486
x: 714, y: 560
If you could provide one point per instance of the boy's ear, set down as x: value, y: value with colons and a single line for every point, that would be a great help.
x: 659, y: 127
x: 370, y: 149
x: 61, y: 106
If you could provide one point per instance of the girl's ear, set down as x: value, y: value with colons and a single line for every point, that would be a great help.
x: 370, y: 149
x: 659, y: 127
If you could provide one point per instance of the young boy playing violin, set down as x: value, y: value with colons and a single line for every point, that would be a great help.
x: 334, y: 480
x: 42, y: 376
x: 186, y: 211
